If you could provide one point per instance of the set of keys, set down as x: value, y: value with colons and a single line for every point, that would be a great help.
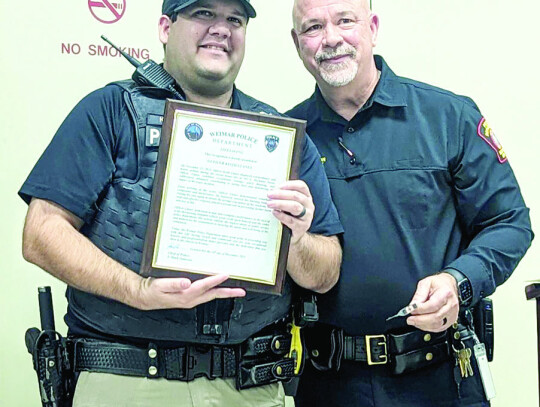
x: 463, y: 360
x: 464, y: 369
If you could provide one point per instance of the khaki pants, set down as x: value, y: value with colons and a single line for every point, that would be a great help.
x: 109, y: 390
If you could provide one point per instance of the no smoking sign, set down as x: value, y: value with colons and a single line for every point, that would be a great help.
x: 107, y: 11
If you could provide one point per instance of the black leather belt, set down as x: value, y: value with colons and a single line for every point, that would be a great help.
x: 402, y: 352
x: 257, y: 361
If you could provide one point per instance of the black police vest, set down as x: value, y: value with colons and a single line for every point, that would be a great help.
x: 119, y: 228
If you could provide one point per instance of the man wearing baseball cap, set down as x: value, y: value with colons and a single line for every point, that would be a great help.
x: 167, y: 341
x: 171, y: 7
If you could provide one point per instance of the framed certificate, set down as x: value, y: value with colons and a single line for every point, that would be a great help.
x: 208, y: 213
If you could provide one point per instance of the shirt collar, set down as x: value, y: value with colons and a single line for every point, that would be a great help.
x: 236, y: 104
x: 388, y: 92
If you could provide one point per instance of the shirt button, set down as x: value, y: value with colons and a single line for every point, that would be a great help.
x: 350, y: 130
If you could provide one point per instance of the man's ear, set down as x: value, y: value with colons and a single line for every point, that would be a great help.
x: 294, y: 36
x: 374, y: 27
x: 164, y: 27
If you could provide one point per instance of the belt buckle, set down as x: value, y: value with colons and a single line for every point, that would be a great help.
x: 198, y: 363
x: 382, y: 342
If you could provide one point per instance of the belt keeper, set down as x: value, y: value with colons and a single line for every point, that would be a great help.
x: 349, y: 345
x: 217, y: 362
x: 153, y: 365
x: 280, y: 345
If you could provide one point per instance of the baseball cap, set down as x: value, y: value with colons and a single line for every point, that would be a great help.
x: 172, y: 6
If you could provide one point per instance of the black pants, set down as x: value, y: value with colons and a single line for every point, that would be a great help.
x: 357, y: 384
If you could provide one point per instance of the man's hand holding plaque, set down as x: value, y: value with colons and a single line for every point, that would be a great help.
x: 167, y: 293
x: 293, y: 206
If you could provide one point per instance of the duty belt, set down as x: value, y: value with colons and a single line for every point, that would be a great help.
x: 257, y: 361
x: 405, y: 352
x: 402, y: 352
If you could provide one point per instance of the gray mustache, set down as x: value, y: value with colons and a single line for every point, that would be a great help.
x: 338, y: 52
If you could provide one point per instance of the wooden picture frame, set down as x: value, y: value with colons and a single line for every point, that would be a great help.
x: 207, y: 214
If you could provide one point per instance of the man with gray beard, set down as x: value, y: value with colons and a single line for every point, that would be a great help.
x: 433, y: 216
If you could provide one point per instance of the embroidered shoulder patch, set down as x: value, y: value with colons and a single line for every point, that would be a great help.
x: 488, y: 135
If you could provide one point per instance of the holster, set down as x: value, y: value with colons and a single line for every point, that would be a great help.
x: 52, y: 361
x: 324, y: 345
x: 482, y: 315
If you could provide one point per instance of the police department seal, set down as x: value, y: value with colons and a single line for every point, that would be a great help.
x: 271, y: 143
x: 193, y: 132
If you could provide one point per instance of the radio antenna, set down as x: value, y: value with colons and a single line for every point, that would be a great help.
x: 132, y: 60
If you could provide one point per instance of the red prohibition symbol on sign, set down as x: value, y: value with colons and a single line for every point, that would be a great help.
x: 107, y: 11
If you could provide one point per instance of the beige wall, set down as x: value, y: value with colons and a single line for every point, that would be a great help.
x: 486, y: 49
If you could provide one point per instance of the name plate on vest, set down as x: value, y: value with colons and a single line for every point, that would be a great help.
x: 153, y: 130
x: 209, y: 212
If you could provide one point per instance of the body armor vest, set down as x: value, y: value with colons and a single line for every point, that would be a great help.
x: 118, y: 229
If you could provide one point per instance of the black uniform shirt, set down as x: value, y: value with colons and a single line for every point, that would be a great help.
x: 96, y: 146
x: 424, y: 186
